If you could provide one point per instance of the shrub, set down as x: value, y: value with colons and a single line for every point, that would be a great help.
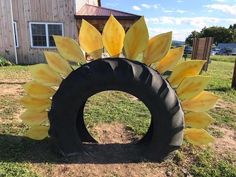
x: 4, y: 62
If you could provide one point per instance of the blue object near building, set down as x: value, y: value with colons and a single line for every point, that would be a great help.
x: 227, y: 48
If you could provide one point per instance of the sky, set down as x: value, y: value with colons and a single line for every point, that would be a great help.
x: 179, y: 16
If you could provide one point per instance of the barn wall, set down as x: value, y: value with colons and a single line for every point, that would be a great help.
x: 7, y: 49
x: 25, y: 11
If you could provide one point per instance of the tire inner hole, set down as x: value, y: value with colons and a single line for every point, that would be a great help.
x: 116, y: 117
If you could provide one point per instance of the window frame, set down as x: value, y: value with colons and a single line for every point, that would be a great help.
x: 15, y: 30
x: 47, y: 34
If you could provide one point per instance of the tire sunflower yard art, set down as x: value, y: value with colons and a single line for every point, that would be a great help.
x: 172, y: 89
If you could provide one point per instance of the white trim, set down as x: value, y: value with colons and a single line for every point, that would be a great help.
x: 47, y: 36
x: 16, y: 34
x: 16, y: 58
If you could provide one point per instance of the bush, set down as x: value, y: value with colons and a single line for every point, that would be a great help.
x: 4, y: 62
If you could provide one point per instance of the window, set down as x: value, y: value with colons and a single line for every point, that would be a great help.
x: 41, y: 34
x: 15, y: 34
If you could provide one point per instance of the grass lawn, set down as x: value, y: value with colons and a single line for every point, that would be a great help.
x: 23, y: 157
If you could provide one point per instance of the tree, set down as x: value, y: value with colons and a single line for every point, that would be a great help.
x: 189, y: 39
x: 220, y: 34
x: 232, y: 29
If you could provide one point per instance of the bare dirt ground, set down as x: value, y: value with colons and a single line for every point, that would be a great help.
x: 114, y: 133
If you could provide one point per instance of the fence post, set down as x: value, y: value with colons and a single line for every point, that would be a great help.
x: 234, y: 76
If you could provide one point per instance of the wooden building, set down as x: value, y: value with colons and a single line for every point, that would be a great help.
x: 27, y: 26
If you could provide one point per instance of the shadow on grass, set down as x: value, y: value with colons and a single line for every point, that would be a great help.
x: 21, y: 149
x: 220, y: 89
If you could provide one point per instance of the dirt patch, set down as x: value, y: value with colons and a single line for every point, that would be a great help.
x: 108, y: 160
x: 113, y: 133
x: 226, y: 106
x: 11, y: 89
x: 227, y: 143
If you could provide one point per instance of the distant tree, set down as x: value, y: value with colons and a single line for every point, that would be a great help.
x: 189, y: 39
x: 232, y: 29
x: 220, y: 34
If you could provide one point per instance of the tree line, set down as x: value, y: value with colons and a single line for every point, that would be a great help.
x: 220, y: 34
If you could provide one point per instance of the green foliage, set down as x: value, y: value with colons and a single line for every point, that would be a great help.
x: 15, y: 170
x: 220, y: 34
x: 4, y: 62
x: 206, y: 165
x: 189, y: 39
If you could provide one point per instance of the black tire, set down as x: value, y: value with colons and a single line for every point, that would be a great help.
x: 166, y: 131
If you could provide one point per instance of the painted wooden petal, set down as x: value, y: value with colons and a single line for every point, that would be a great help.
x: 37, y: 132
x: 191, y: 86
x: 113, y: 36
x: 170, y: 60
x: 69, y: 49
x: 185, y: 69
x: 33, y: 118
x: 35, y: 103
x: 90, y: 38
x: 157, y: 48
x: 43, y: 74
x: 198, y: 119
x: 200, y: 103
x: 96, y: 54
x: 136, y: 39
x: 198, y: 136
x: 37, y: 90
x: 57, y: 63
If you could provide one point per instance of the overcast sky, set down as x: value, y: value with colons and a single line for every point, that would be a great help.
x: 179, y: 16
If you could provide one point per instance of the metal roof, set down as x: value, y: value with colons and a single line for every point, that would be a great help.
x: 226, y: 45
x: 96, y: 12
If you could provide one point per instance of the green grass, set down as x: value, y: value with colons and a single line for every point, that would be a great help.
x: 14, y: 72
x: 15, y: 169
x: 207, y: 165
x: 17, y: 154
x: 221, y: 74
x: 230, y: 59
x: 120, y: 107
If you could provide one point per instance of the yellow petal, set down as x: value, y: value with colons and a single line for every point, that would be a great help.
x: 90, y: 39
x: 136, y: 39
x: 185, y: 69
x: 113, y: 36
x: 96, y: 54
x: 57, y: 63
x: 69, y: 49
x: 157, y: 48
x: 37, y: 90
x: 198, y: 119
x: 35, y: 103
x: 31, y: 117
x: 200, y: 103
x: 197, y: 136
x: 191, y: 86
x: 170, y: 60
x: 43, y: 74
x: 37, y: 132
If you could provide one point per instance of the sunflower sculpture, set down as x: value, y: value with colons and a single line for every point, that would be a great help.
x: 172, y: 89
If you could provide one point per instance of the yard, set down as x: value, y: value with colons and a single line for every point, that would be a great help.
x: 116, y: 117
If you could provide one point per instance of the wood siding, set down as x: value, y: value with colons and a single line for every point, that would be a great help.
x: 25, y: 11
x: 7, y: 49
